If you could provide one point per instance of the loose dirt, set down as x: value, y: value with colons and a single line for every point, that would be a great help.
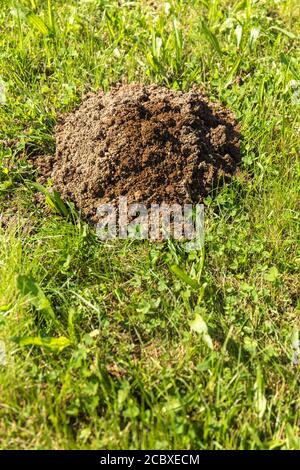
x: 148, y: 143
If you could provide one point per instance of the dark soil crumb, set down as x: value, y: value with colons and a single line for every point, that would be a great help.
x: 148, y: 143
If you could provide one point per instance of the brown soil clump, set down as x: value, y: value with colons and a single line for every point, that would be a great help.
x: 148, y: 143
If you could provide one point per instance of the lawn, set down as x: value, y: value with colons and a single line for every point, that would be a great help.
x: 97, y: 345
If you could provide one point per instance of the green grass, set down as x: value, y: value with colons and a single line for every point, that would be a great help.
x: 134, y: 374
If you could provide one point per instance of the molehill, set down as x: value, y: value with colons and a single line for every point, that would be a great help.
x: 148, y: 143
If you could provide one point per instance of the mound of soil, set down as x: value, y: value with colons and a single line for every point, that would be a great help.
x: 149, y: 143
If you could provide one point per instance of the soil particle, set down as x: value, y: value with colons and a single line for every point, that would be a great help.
x: 149, y: 143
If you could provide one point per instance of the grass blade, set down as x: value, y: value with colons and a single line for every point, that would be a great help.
x: 184, y: 276
x: 37, y: 22
x: 53, y: 344
x: 28, y: 287
x: 211, y: 38
x: 53, y: 199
